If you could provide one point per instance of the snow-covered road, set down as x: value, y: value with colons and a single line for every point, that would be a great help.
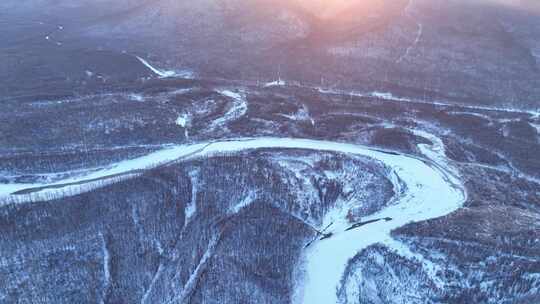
x: 425, y: 189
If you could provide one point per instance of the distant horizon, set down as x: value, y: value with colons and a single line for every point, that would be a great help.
x: 270, y: 151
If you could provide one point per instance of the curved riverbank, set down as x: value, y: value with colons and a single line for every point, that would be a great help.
x: 424, y: 190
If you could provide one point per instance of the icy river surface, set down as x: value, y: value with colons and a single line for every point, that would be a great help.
x: 424, y: 189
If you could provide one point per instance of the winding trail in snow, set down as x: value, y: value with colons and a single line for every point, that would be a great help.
x: 237, y: 109
x: 431, y: 190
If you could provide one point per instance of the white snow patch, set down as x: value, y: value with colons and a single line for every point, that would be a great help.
x: 238, y: 108
x: 536, y: 126
x: 144, y: 299
x: 106, y: 266
x: 191, y: 207
x: 276, y: 83
x: 182, y: 120
x: 191, y: 283
x: 435, y: 151
x: 136, y: 97
x: 181, y: 91
x: 301, y: 115
x: 231, y: 94
x: 248, y: 200
x: 166, y: 73
x: 386, y: 96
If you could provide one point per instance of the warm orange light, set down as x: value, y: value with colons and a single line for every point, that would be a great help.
x: 327, y: 9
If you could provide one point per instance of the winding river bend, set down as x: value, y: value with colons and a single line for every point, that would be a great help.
x: 425, y: 189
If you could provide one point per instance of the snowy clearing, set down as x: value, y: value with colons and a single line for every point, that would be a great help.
x: 301, y: 115
x: 238, y: 109
x: 182, y: 120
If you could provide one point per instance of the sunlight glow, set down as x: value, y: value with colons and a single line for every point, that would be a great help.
x: 326, y: 9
